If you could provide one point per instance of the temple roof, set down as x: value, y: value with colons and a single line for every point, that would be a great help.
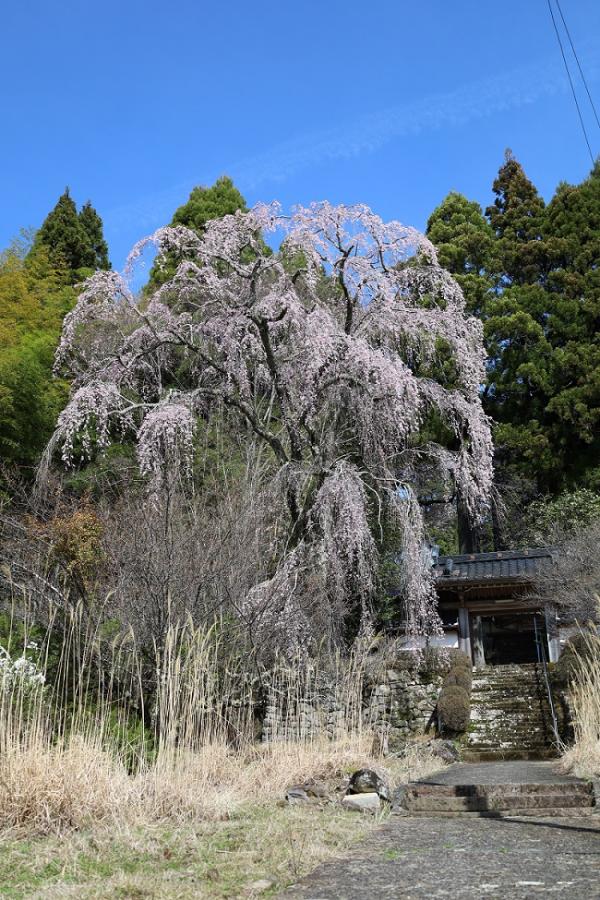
x: 502, y: 566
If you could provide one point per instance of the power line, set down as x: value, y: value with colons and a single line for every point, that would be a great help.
x: 560, y: 44
x: 583, y: 78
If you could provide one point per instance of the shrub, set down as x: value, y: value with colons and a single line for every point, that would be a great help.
x: 578, y: 649
x: 438, y: 661
x: 461, y: 676
x: 453, y: 709
x: 458, y: 658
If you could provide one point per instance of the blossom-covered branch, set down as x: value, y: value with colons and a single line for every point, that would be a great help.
x: 337, y: 351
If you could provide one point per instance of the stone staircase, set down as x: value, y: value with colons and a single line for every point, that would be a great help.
x: 498, y: 800
x: 510, y: 715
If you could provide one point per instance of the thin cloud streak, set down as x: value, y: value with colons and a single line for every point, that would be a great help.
x: 367, y: 134
x: 432, y: 113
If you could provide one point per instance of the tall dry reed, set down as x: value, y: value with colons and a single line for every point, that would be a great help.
x: 583, y: 758
x: 92, y: 731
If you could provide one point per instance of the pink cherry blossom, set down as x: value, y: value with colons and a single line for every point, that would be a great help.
x: 328, y: 353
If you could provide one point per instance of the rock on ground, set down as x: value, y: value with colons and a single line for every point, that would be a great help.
x: 367, y: 802
x: 367, y: 781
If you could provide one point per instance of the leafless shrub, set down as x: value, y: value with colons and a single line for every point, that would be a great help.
x: 572, y: 582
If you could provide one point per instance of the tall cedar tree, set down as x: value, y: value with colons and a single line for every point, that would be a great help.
x: 98, y: 248
x: 536, y: 286
x: 519, y: 384
x: 573, y: 283
x: 73, y: 240
x: 464, y: 240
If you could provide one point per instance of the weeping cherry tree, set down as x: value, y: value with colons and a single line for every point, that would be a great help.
x: 335, y: 353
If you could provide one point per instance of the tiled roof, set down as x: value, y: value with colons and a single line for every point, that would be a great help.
x: 505, y: 565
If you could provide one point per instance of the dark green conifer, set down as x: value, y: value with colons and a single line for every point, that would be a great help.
x: 206, y: 203
x: 517, y: 218
x: 97, y: 257
x: 465, y: 244
x: 573, y: 285
x: 73, y: 240
x: 63, y: 234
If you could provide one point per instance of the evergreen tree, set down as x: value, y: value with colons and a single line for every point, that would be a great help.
x: 63, y: 234
x: 532, y: 277
x: 203, y: 204
x: 573, y: 283
x: 517, y: 218
x: 73, y: 240
x: 465, y: 243
x: 98, y: 248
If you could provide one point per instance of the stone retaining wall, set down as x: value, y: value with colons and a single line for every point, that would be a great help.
x: 396, y: 701
x: 401, y: 704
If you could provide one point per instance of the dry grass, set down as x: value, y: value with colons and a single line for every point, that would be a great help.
x: 583, y: 758
x: 201, y: 845
x: 51, y: 789
x: 44, y: 788
x: 194, y: 807
x: 69, y: 756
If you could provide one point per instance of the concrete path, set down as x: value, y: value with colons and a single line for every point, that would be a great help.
x: 468, y: 858
x: 509, y: 772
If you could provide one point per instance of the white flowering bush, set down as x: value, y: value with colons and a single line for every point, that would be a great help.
x: 21, y: 673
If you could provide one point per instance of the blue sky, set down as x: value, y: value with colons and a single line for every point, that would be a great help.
x: 387, y: 102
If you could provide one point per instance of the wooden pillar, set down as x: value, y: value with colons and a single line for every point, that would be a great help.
x: 464, y: 632
x: 478, y: 651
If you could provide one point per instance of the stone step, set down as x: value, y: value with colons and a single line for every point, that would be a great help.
x: 512, y: 696
x: 504, y: 742
x: 485, y: 683
x: 485, y: 695
x: 519, y: 726
x: 508, y: 685
x: 517, y: 701
x: 500, y: 705
x: 540, y: 813
x: 489, y: 725
x: 513, y: 721
x: 491, y: 742
x: 488, y: 668
x: 511, y: 687
x: 506, y: 704
x: 492, y: 738
x: 512, y: 789
x: 474, y: 755
x: 506, y: 730
x: 509, y: 717
x: 497, y: 802
x: 547, y: 798
x: 482, y: 737
x: 514, y: 692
